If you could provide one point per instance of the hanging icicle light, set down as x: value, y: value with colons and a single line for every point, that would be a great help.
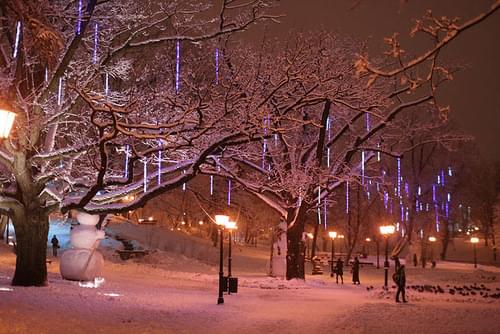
x: 419, y: 192
x: 328, y: 132
x: 79, y: 18
x: 325, y: 210
x: 442, y: 177
x: 449, y: 197
x: 433, y: 193
x: 363, y: 167
x: 216, y: 66
x: 450, y: 172
x: 145, y: 173
x: 211, y: 185
x: 106, y: 84
x: 177, y: 65
x: 17, y: 41
x: 184, y: 184
x: 447, y: 210
x: 159, y: 162
x: 96, y: 42
x: 367, y: 122
x: 60, y: 92
x: 436, y: 210
x: 228, y: 192
x: 347, y: 197
x: 127, y: 156
x: 439, y: 179
x: 46, y: 77
x: 399, y: 177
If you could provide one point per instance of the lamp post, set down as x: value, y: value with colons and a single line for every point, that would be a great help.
x: 332, y: 235
x: 230, y: 226
x: 386, y: 231
x: 432, y: 240
x: 221, y: 220
x: 310, y: 236
x: 474, y: 241
x: 368, y: 240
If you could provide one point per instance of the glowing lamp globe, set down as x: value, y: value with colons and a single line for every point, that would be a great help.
x: 231, y: 225
x: 387, y: 229
x: 221, y: 220
x: 432, y: 239
x: 6, y: 122
x: 474, y: 240
x: 332, y: 234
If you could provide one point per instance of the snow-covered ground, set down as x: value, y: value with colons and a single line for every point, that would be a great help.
x: 167, y: 292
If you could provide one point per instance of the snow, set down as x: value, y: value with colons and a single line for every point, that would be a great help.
x: 168, y: 292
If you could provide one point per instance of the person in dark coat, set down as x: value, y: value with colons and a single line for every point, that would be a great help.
x: 339, y: 271
x: 355, y: 271
x: 55, y: 245
x: 400, y: 279
x: 397, y: 264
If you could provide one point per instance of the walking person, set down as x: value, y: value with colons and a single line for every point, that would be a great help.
x: 339, y: 271
x: 400, y: 280
x: 55, y: 245
x: 355, y: 271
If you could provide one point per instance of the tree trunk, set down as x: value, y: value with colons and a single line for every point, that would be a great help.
x: 32, y: 228
x: 446, y: 241
x: 4, y: 220
x: 295, y: 256
x: 315, y: 238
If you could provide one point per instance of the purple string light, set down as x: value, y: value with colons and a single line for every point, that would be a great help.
x: 211, y: 184
x: 216, y: 66
x: 177, y: 65
x: 127, y: 155
x: 18, y: 39
x: 399, y: 177
x: 145, y: 171
x: 362, y: 167
x: 325, y: 209
x: 79, y: 20
x: 96, y: 42
x: 347, y: 197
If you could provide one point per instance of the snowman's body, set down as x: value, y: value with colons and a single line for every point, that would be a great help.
x: 82, y: 262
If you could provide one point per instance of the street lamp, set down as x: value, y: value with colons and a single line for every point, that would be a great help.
x: 386, y: 231
x: 432, y: 240
x: 310, y: 236
x: 230, y: 226
x: 332, y: 235
x: 221, y: 221
x: 6, y: 122
x: 474, y: 241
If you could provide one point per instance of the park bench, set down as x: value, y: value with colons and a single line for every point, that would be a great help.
x: 127, y: 254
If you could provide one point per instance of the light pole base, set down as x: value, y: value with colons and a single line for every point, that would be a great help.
x: 220, y: 301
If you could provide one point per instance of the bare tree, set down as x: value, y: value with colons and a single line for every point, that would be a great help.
x: 74, y: 74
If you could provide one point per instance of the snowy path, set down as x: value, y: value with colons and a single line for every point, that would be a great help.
x: 152, y: 300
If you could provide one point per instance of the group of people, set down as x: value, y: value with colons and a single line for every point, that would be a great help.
x: 339, y: 271
x: 399, y: 276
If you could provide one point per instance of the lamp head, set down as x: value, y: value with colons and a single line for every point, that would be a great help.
x: 332, y: 234
x: 387, y: 229
x: 221, y: 220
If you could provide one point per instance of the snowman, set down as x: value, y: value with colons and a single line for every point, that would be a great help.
x: 83, y: 262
